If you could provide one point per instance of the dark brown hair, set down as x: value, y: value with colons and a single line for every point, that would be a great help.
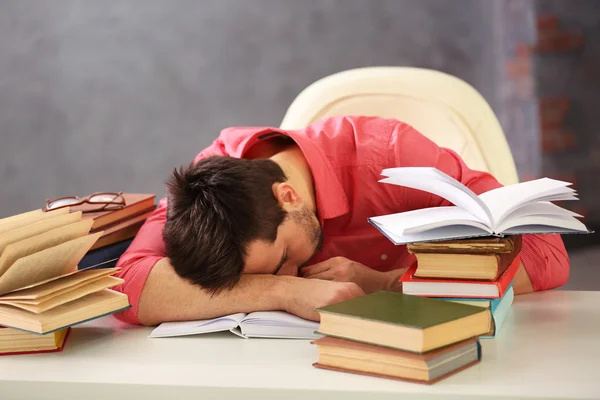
x: 216, y: 207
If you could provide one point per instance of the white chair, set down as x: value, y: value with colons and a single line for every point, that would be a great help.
x: 444, y: 108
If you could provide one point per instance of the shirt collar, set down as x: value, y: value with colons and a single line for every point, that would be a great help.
x: 331, y: 198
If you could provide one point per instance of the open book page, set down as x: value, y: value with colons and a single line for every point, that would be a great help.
x: 45, y: 290
x: 37, y: 228
x: 20, y: 216
x: 435, y: 181
x: 21, y: 220
x: 184, y: 328
x: 41, y: 242
x: 415, y: 221
x: 278, y: 324
x: 46, y: 264
x: 502, y: 201
x: 40, y: 305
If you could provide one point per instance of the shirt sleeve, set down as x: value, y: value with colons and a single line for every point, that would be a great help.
x: 147, y: 249
x: 544, y: 256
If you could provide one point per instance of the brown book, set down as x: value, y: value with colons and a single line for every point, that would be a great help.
x: 485, y: 245
x: 135, y: 204
x: 360, y: 358
x: 121, y: 231
x: 469, y: 264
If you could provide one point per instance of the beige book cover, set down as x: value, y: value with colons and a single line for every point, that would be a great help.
x: 37, y: 228
x: 37, y: 306
x: 21, y: 220
x: 47, y: 289
x: 46, y: 264
x: 40, y: 242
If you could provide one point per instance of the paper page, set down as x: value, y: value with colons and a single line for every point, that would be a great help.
x: 40, y: 242
x: 184, y: 328
x: 540, y: 208
x: 29, y: 218
x: 19, y: 216
x: 549, y: 221
x: 46, y: 264
x: 445, y: 233
x: 59, y: 286
x: 37, y: 228
x: 427, y: 218
x: 434, y: 181
x: 279, y: 318
x: 37, y: 307
x: 503, y: 200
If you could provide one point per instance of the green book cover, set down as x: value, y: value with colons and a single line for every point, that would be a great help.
x: 402, y: 309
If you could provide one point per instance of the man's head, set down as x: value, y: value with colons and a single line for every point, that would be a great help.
x: 229, y: 216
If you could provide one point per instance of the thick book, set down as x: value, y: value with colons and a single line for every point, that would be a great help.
x: 123, y: 230
x: 13, y: 342
x: 498, y: 309
x: 135, y: 204
x: 262, y: 324
x: 403, y: 322
x: 365, y: 359
x: 522, y: 208
x: 41, y: 288
x: 104, y: 257
x: 430, y: 287
x: 484, y: 245
x: 476, y: 265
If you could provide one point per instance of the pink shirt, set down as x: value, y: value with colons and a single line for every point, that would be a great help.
x: 346, y: 156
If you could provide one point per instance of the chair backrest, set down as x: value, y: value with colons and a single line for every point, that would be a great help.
x: 444, y: 108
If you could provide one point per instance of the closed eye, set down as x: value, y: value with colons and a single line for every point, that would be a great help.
x: 281, y: 262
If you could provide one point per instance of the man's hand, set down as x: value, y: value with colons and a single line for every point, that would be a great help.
x: 302, y: 296
x: 341, y: 269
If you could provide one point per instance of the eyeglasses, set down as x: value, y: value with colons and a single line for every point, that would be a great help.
x: 104, y: 201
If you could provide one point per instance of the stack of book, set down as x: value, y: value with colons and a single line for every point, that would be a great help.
x: 474, y: 271
x: 469, y: 251
x: 399, y: 336
x: 118, y: 225
x: 42, y: 292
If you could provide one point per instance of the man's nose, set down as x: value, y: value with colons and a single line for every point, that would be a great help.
x: 288, y: 269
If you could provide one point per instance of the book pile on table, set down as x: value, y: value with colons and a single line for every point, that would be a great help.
x: 394, y: 335
x: 42, y: 292
x: 477, y: 271
x: 469, y: 251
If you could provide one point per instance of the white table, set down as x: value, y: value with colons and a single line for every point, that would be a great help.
x: 549, y: 348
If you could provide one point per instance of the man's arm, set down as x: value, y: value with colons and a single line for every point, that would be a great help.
x: 168, y: 297
x: 157, y: 294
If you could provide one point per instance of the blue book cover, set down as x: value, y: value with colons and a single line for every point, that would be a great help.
x: 104, y: 257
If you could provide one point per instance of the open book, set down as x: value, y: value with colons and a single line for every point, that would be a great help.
x: 263, y: 324
x: 41, y: 289
x: 521, y: 208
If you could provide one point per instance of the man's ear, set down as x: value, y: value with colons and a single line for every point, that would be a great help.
x: 287, y: 197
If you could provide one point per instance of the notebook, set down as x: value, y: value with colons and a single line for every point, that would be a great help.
x: 522, y: 208
x: 403, y: 322
x: 262, y: 324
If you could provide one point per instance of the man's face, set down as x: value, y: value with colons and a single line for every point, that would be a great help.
x: 299, y: 237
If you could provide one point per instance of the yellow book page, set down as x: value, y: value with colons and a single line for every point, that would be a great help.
x: 37, y: 228
x: 43, y: 241
x: 59, y: 337
x: 104, y: 283
x: 19, y: 216
x: 19, y: 221
x: 48, y: 289
x: 46, y: 264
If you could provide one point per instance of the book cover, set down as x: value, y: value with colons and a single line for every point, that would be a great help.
x: 401, y: 309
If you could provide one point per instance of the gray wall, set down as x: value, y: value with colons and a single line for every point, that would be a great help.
x: 110, y: 95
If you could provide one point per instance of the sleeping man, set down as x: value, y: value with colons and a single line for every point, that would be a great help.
x: 272, y: 219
